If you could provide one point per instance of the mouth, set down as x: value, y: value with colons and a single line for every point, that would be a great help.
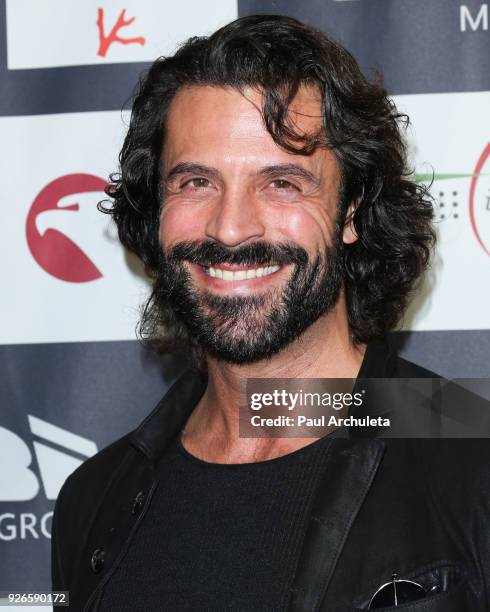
x: 238, y: 279
x: 240, y: 273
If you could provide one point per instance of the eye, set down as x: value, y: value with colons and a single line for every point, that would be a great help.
x: 284, y: 185
x: 196, y: 183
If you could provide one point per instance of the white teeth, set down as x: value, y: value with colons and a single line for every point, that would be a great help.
x: 230, y: 275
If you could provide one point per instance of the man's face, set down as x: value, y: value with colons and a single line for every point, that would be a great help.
x: 252, y: 254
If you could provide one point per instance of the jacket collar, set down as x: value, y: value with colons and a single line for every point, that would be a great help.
x: 379, y: 360
x: 348, y: 474
x: 169, y: 416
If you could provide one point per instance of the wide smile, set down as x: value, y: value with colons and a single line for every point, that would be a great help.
x: 237, y: 278
x: 243, y: 273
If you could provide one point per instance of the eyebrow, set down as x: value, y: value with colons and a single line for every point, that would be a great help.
x: 190, y: 168
x: 267, y: 171
x: 289, y: 170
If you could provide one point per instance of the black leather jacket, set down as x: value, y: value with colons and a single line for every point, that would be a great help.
x: 420, y: 508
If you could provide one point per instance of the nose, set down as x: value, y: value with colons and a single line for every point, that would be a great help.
x: 235, y: 218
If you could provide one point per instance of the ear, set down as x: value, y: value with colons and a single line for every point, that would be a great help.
x: 349, y: 234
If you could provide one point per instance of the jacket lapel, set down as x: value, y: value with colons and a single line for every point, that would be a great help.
x: 348, y: 474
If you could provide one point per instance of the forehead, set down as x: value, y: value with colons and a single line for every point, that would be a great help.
x: 207, y: 123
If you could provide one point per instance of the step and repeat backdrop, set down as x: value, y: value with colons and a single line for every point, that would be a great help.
x: 72, y: 376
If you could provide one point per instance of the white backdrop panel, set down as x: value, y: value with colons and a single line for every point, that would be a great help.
x: 450, y: 136
x: 75, y: 37
x: 37, y: 305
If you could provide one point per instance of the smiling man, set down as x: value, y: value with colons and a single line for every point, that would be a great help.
x: 265, y: 245
x: 263, y: 184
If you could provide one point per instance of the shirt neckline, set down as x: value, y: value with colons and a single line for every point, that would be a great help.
x: 293, y: 455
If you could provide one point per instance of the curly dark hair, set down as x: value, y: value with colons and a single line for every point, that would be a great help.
x: 361, y: 126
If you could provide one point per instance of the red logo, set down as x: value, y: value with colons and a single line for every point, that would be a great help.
x: 106, y: 41
x: 57, y: 254
x: 477, y: 212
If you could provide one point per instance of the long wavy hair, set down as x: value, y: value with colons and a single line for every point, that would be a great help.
x: 361, y: 126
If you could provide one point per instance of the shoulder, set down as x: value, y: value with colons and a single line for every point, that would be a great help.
x: 452, y: 476
x: 381, y: 360
x: 93, y: 475
x: 458, y: 483
x: 403, y: 368
x: 457, y: 461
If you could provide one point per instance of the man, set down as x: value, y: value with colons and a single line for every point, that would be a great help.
x: 263, y: 184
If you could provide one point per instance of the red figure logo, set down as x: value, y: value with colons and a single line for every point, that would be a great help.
x: 474, y: 183
x: 57, y: 254
x: 106, y: 41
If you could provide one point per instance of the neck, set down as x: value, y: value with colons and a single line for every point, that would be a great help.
x: 324, y: 350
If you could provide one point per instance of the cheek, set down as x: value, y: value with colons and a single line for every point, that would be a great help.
x: 304, y: 227
x: 178, y: 223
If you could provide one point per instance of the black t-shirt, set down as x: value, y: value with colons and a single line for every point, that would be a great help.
x: 219, y: 536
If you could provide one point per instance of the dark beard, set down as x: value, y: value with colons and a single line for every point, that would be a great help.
x: 247, y: 329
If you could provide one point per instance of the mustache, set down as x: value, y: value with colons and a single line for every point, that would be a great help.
x: 208, y: 253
